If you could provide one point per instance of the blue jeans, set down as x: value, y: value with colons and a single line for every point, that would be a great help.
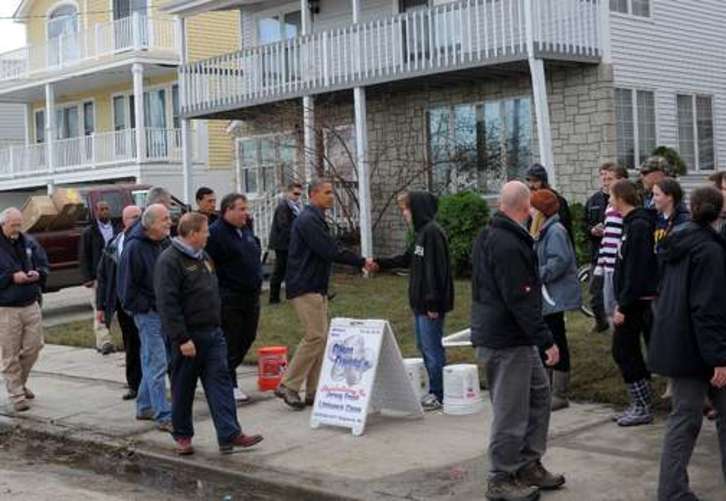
x: 154, y: 357
x: 209, y: 365
x: 428, y: 340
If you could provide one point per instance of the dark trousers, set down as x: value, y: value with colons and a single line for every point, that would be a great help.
x: 240, y: 316
x: 556, y: 324
x: 627, y: 349
x: 209, y: 365
x: 520, y: 396
x: 597, y: 302
x: 278, y: 275
x: 132, y: 348
x: 684, y: 425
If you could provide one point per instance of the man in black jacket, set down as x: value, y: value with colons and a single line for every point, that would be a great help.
x: 688, y: 343
x: 594, y: 225
x: 508, y: 328
x: 537, y: 179
x: 285, y: 213
x: 312, y: 252
x: 430, y: 287
x: 135, y: 287
x: 189, y: 305
x: 236, y: 253
x: 23, y: 270
x: 635, y: 289
x: 108, y: 304
x: 93, y: 240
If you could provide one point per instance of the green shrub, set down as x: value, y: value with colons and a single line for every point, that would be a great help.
x: 582, y: 242
x: 462, y: 216
x: 673, y: 158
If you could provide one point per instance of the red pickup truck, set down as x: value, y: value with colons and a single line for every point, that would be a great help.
x: 63, y: 246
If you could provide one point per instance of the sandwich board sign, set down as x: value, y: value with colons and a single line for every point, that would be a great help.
x: 362, y: 373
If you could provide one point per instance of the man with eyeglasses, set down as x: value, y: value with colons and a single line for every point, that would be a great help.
x: 287, y: 210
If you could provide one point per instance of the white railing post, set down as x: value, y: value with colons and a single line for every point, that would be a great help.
x: 604, y: 29
x: 11, y: 161
x: 49, y: 132
x: 94, y: 156
x: 138, y: 78
x: 98, y: 42
x: 529, y: 26
x: 135, y: 31
x: 310, y: 145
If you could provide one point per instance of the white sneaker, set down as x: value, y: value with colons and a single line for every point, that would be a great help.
x: 240, y: 397
x: 430, y: 402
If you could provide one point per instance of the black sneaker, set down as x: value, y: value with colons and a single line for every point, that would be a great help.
x: 510, y: 489
x: 536, y: 475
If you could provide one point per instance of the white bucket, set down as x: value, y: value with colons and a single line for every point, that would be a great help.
x: 418, y: 376
x: 461, y: 390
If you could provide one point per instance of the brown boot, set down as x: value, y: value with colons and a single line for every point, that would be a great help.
x: 535, y: 474
x: 510, y: 489
x: 291, y: 397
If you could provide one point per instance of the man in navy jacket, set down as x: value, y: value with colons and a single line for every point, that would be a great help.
x: 23, y: 270
x: 135, y: 281
x: 236, y: 254
x: 312, y: 252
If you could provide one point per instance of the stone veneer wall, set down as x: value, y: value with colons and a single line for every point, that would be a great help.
x: 582, y: 117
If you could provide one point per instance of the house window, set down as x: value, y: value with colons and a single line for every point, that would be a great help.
x: 634, y: 7
x: 62, y: 44
x: 266, y: 163
x: 479, y: 146
x: 175, y: 116
x: 635, y: 126
x: 67, y: 123
x: 278, y: 26
x: 695, y: 131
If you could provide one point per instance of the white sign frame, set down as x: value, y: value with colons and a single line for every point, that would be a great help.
x: 362, y: 373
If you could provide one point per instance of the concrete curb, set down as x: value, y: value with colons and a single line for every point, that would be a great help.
x: 267, y: 481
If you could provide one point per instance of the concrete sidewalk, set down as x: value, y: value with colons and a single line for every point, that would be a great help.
x: 438, y: 457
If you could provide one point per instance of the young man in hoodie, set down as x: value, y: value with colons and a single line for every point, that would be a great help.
x: 189, y: 305
x: 689, y: 338
x: 635, y: 289
x: 430, y: 288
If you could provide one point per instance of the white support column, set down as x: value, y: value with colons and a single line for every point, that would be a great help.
x: 186, y: 126
x: 29, y: 124
x: 542, y: 114
x: 138, y: 73
x: 50, y: 135
x: 361, y: 144
x: 310, y: 143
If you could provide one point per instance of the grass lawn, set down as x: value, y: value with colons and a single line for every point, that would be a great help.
x: 594, y: 374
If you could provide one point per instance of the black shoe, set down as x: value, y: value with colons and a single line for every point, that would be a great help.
x: 291, y: 398
x: 275, y: 300
x: 510, y: 489
x: 536, y: 475
x: 107, y: 349
x: 600, y: 327
x: 130, y: 395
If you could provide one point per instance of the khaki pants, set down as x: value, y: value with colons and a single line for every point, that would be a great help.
x: 103, y: 335
x: 21, y: 339
x: 312, y: 310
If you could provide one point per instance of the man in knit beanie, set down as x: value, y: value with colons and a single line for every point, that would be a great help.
x: 538, y: 179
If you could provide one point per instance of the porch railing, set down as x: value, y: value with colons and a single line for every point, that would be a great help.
x: 451, y: 36
x: 136, y: 32
x: 91, y: 152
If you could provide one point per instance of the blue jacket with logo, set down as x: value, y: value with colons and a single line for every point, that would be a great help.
x: 24, y: 254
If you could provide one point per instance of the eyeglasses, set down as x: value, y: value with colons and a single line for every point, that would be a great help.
x: 296, y: 193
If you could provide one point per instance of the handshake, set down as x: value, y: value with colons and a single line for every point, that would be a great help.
x: 371, y: 266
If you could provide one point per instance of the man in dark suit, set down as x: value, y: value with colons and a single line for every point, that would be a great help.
x: 93, y: 240
x: 285, y: 213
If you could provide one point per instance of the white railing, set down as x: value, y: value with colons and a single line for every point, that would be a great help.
x: 262, y: 210
x: 455, y: 35
x: 136, y: 32
x: 92, y: 152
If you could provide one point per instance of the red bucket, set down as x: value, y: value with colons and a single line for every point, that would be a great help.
x: 271, y: 366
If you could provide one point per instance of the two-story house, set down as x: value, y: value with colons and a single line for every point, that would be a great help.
x: 98, y: 83
x: 452, y: 95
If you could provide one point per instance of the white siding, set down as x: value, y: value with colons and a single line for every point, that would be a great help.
x: 680, y: 49
x: 12, y: 123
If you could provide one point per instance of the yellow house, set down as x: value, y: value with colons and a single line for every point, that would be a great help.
x: 98, y: 79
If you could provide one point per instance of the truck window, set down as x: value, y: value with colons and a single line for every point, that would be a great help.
x: 84, y: 217
x: 139, y: 197
x: 115, y: 201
